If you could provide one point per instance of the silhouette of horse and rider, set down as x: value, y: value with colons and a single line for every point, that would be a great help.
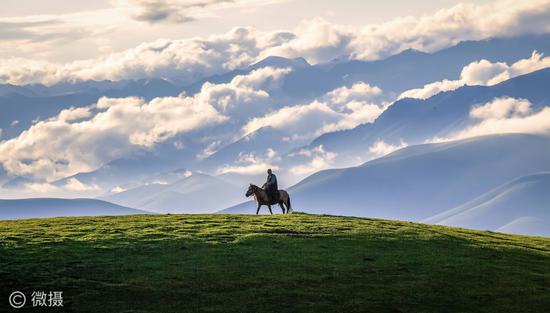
x: 269, y: 194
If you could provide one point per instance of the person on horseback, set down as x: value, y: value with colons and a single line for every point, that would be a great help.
x: 271, y: 187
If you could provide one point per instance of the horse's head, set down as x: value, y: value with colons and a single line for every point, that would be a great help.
x: 251, y: 190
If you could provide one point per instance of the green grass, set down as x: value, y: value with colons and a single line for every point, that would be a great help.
x: 291, y: 263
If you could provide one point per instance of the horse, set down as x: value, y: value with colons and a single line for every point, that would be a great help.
x: 261, y: 199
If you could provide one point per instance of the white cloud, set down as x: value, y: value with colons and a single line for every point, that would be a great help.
x: 178, y: 11
x: 317, y: 40
x: 252, y: 164
x: 359, y: 91
x: 503, y: 115
x: 81, y: 139
x: 245, y: 95
x: 210, y: 149
x: 501, y: 108
x: 381, y: 148
x: 481, y: 72
x: 319, y: 159
x: 49, y: 35
x: 342, y: 108
x: 43, y: 188
x: 266, y: 78
x: 72, y: 187
x: 432, y: 89
x: 303, y: 121
x: 60, y: 147
x: 320, y: 41
x: 118, y: 189
x: 184, y: 60
x: 178, y: 145
x: 74, y: 184
x: 181, y: 11
x: 248, y: 169
x: 73, y: 114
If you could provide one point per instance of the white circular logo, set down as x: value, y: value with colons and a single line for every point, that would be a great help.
x: 17, y: 299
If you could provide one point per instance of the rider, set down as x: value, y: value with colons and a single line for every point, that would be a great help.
x: 271, y: 187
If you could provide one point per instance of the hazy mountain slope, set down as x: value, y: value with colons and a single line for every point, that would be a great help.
x: 415, y: 120
x: 520, y: 206
x: 50, y: 207
x: 198, y: 193
x: 257, y: 144
x: 136, y: 168
x: 25, y: 104
x: 412, y: 69
x: 395, y: 74
x: 417, y: 182
x: 409, y: 69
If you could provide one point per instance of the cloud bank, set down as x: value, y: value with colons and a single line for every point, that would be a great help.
x: 483, y: 73
x: 318, y: 159
x: 342, y: 108
x: 61, y: 146
x: 252, y: 164
x: 82, y: 139
x: 182, y: 11
x: 503, y: 115
x: 317, y: 40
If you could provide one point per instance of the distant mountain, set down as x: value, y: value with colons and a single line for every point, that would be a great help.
x: 521, y: 206
x: 415, y: 68
x: 121, y: 172
x: 255, y: 143
x: 409, y: 69
x: 420, y: 181
x: 3, y: 174
x: 395, y: 74
x: 198, y: 193
x: 28, y: 103
x: 50, y: 207
x: 146, y: 88
x: 408, y: 119
x: 416, y: 120
x: 16, y: 182
x: 10, y: 89
x: 280, y: 62
x: 140, y: 167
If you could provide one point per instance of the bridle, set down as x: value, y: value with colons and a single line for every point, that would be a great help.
x: 254, y: 189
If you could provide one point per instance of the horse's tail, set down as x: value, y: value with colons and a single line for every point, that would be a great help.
x: 289, y: 209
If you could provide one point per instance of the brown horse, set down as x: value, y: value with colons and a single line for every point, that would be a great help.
x: 261, y: 198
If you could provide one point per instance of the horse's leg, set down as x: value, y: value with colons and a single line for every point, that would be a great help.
x: 258, y: 209
x: 282, y: 207
x: 269, y: 207
x: 288, y: 206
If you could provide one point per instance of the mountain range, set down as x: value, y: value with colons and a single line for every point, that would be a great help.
x: 476, y: 182
x: 418, y: 182
x: 50, y: 207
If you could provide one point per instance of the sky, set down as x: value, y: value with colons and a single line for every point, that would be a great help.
x: 187, y: 40
x: 66, y: 30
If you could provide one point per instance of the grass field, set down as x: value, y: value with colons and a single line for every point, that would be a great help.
x: 291, y: 263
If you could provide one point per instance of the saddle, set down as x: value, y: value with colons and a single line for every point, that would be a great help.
x: 273, y: 197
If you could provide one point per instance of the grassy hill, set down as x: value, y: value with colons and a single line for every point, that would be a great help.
x: 292, y: 263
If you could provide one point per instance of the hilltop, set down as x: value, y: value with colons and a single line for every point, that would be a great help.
x: 282, y: 263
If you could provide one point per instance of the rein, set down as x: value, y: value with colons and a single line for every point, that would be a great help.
x: 257, y: 192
